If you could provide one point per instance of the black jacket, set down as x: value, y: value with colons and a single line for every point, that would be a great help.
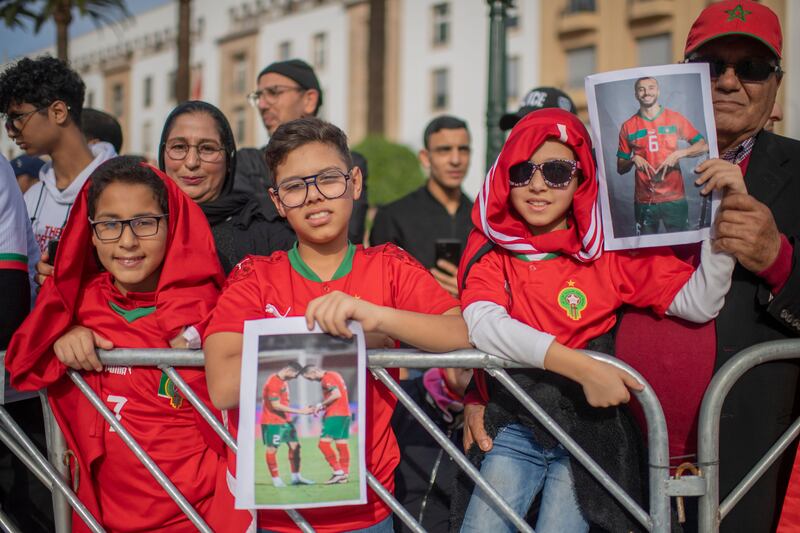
x: 417, y: 220
x: 762, y: 405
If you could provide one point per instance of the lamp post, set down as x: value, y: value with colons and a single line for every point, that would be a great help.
x: 496, y: 101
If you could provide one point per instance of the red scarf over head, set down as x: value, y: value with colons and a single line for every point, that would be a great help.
x: 496, y: 221
x: 187, y: 290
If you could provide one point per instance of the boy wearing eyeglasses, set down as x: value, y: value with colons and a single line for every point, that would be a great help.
x: 42, y: 100
x: 648, y: 141
x: 543, y: 290
x: 329, y: 281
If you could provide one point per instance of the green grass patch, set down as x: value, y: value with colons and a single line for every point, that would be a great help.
x: 313, y: 466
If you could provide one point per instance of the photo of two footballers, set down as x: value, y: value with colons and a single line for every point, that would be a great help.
x: 307, y: 433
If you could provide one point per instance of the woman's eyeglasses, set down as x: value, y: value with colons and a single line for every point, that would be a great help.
x: 208, y: 152
x: 331, y: 184
x: 111, y: 230
x: 557, y: 173
x: 752, y: 70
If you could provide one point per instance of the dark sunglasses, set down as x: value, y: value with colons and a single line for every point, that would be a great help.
x: 745, y: 69
x: 556, y: 173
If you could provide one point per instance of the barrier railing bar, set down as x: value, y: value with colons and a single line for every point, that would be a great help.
x: 201, y: 407
x: 451, y: 449
x: 710, y: 413
x: 17, y: 450
x: 137, y: 450
x: 56, y: 450
x: 220, y: 430
x: 6, y: 523
x: 572, y: 447
x: 395, y: 505
x: 43, y: 463
x: 761, y: 467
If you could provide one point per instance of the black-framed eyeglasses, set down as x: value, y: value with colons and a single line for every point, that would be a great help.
x: 270, y: 94
x: 557, y: 173
x: 16, y: 123
x: 111, y: 230
x: 207, y: 151
x: 331, y: 184
x: 752, y: 70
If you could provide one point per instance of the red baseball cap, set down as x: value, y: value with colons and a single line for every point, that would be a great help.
x: 736, y: 17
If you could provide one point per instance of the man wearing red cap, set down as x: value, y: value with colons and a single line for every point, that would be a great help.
x: 741, y: 43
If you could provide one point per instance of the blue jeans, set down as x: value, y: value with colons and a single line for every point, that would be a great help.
x: 519, y: 468
x: 384, y: 526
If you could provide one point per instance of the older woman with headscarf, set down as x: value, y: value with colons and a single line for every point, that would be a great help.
x: 198, y: 152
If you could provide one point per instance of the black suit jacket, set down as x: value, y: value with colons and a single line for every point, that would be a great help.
x: 762, y: 405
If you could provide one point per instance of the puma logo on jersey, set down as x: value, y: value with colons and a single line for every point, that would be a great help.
x: 272, y: 310
x: 119, y: 370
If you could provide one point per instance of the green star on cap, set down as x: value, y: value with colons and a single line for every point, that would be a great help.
x: 737, y: 13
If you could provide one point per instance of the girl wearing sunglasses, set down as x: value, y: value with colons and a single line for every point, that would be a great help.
x: 536, y: 288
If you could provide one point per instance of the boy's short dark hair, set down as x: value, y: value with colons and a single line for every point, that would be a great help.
x: 292, y: 135
x: 443, y: 122
x: 96, y: 124
x: 294, y: 365
x: 129, y: 169
x: 41, y: 82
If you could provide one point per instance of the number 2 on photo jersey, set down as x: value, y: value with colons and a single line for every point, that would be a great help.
x: 119, y: 402
x: 652, y: 143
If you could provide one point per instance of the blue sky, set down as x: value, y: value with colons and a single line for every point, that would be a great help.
x: 17, y: 42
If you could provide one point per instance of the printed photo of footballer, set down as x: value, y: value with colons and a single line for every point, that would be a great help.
x: 307, y: 450
x: 652, y: 128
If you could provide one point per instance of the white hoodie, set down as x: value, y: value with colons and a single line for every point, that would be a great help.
x: 48, y: 207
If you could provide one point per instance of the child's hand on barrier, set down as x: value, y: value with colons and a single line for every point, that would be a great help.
x: 720, y: 175
x: 76, y: 349
x: 474, y: 429
x: 605, y: 385
x: 333, y: 310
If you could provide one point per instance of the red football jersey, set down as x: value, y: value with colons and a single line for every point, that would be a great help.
x: 332, y: 381
x: 576, y: 301
x: 282, y: 285
x: 655, y: 140
x: 275, y: 389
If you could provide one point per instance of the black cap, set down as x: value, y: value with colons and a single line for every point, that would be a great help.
x: 297, y: 70
x: 538, y: 98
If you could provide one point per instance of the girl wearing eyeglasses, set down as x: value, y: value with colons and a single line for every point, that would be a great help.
x: 141, y: 273
x: 536, y: 288
x: 197, y: 150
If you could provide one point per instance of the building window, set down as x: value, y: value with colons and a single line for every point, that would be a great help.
x: 117, y: 100
x: 580, y: 63
x: 576, y: 6
x: 318, y: 45
x: 512, y: 17
x: 513, y: 77
x: 239, y: 124
x: 148, y: 91
x: 240, y: 73
x: 440, y: 98
x: 171, y: 91
x: 147, y: 138
x: 284, y: 51
x: 654, y: 50
x: 441, y: 24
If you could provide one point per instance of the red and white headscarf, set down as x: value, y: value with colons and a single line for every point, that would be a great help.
x: 498, y: 222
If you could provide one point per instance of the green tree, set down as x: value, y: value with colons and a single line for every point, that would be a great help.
x: 393, y: 169
x: 20, y: 13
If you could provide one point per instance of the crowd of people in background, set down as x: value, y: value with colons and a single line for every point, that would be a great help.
x: 100, y: 250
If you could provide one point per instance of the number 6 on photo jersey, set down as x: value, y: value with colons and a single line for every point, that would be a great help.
x: 652, y: 143
x: 119, y: 402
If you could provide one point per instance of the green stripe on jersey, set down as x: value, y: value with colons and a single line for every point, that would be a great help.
x: 304, y: 270
x: 638, y: 134
x: 14, y: 257
x: 667, y: 129
x: 623, y: 155
x: 131, y: 315
x: 696, y: 138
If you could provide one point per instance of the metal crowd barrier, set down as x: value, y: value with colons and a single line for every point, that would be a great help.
x: 662, y: 487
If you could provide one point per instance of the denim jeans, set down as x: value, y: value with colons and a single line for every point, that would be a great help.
x: 384, y: 526
x: 519, y: 468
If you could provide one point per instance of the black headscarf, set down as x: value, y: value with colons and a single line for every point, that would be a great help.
x: 228, y: 203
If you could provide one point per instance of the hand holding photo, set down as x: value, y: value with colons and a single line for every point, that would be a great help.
x: 654, y: 129
x: 302, y: 391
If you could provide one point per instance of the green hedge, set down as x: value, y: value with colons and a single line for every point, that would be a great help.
x: 394, y: 170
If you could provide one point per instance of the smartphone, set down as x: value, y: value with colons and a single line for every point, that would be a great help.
x: 449, y: 250
x: 52, y: 247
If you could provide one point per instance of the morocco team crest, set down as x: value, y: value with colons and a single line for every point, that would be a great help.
x: 167, y: 389
x: 572, y: 300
